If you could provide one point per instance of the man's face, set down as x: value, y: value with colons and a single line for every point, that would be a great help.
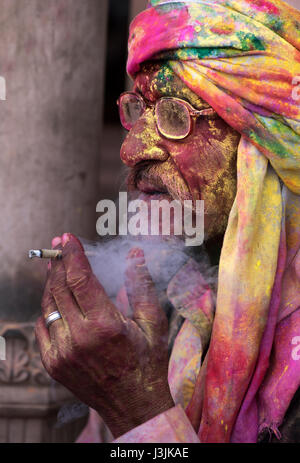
x: 202, y: 166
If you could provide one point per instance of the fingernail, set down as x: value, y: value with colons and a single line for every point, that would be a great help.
x: 65, y: 238
x: 56, y: 241
x: 136, y: 253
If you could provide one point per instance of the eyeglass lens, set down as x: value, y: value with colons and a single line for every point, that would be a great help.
x: 172, y: 116
x: 130, y: 108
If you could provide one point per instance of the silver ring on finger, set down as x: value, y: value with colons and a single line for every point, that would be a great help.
x: 52, y: 318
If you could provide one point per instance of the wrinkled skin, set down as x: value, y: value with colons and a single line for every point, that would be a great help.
x: 105, y: 359
x: 116, y: 365
x: 202, y: 166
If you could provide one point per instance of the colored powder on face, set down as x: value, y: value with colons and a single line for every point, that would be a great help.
x: 246, y: 76
x: 165, y: 78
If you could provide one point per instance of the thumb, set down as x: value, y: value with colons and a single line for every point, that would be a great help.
x: 142, y: 295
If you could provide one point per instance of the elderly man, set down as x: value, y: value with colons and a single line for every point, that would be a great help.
x: 211, y: 116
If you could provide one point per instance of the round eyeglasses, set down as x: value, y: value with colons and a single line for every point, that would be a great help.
x: 173, y: 116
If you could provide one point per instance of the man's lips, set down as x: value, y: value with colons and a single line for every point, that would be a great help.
x: 143, y: 179
x: 149, y: 187
x: 151, y: 191
x: 158, y: 179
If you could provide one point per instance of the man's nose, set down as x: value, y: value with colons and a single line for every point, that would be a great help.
x: 143, y: 142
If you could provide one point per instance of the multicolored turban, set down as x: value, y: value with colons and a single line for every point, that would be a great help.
x: 242, y: 57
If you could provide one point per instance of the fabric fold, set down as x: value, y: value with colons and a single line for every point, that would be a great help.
x: 241, y: 57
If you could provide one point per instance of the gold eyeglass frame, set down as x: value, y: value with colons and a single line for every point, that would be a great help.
x: 193, y: 113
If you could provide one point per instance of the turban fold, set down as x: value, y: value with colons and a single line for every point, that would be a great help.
x: 242, y: 57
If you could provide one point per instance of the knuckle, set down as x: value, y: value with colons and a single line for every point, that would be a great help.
x: 112, y: 328
x: 45, y: 299
x: 77, y: 281
x: 57, y: 285
x: 100, y: 333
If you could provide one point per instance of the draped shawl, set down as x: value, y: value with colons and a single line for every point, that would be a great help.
x: 243, y: 58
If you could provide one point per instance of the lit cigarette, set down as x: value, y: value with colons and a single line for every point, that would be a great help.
x: 52, y: 253
x: 45, y: 254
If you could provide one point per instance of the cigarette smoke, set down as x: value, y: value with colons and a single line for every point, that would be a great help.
x: 164, y: 255
x: 164, y: 258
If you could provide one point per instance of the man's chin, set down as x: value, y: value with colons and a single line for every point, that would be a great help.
x: 164, y: 214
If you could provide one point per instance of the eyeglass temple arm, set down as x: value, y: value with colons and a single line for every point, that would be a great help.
x: 203, y: 112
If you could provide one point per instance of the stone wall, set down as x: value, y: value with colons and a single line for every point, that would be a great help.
x: 52, y: 57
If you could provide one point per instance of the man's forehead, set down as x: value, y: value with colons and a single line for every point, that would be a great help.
x: 157, y: 80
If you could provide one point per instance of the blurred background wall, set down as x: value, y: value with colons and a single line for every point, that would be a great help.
x: 64, y: 65
x: 120, y: 16
x: 52, y: 55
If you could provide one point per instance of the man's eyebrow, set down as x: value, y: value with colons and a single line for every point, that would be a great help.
x: 201, y: 104
x: 142, y: 94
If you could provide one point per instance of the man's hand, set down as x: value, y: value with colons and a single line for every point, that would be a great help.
x: 116, y: 365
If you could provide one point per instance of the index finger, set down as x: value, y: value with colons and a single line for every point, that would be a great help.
x: 85, y: 287
x: 142, y: 296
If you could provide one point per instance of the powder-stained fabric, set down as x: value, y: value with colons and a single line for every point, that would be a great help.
x: 241, y: 57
